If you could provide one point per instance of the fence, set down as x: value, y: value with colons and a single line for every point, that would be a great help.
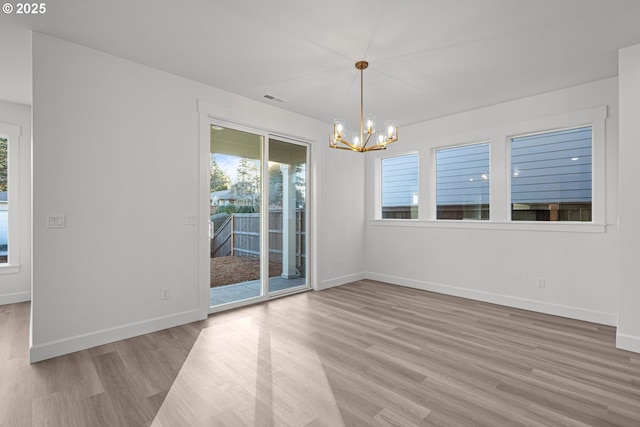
x: 240, y: 236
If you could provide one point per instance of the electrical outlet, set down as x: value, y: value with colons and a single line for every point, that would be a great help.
x: 541, y: 282
x: 166, y: 293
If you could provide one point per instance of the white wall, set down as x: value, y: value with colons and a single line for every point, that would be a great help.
x: 116, y: 150
x: 15, y: 285
x: 499, y: 263
x: 343, y: 208
x: 629, y: 286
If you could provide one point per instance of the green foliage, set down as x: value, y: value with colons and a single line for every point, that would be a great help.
x: 219, y: 179
x: 231, y: 209
x: 218, y: 219
x: 247, y: 209
x: 227, y: 209
x: 275, y: 185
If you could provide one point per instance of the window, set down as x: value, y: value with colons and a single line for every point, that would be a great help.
x: 462, y: 182
x: 528, y: 175
x: 9, y: 198
x: 4, y: 211
x: 551, y: 176
x: 399, y: 179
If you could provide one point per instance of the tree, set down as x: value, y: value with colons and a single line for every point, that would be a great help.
x: 219, y: 179
x: 301, y: 196
x: 275, y: 186
x: 247, y: 189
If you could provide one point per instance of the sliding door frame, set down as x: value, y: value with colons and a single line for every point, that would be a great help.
x: 264, y: 204
x: 208, y: 115
x: 307, y: 220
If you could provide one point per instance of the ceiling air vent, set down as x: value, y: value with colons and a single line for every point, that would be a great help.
x: 273, y: 98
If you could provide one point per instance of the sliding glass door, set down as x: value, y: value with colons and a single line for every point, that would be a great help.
x: 287, y: 215
x: 257, y: 198
x: 235, y: 215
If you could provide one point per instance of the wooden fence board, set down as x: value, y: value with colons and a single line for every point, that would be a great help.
x: 240, y: 236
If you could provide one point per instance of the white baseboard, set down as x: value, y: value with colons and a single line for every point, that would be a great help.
x: 342, y: 280
x: 578, y: 313
x: 81, y: 342
x: 628, y: 342
x: 15, y: 298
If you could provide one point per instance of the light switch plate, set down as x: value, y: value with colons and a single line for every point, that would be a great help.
x: 56, y: 221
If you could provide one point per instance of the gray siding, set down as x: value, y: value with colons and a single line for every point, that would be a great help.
x: 462, y: 175
x: 552, y: 167
x: 399, y: 180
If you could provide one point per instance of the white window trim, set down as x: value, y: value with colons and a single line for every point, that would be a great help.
x: 433, y: 196
x: 13, y: 134
x: 377, y: 186
x: 500, y: 188
x: 595, y: 118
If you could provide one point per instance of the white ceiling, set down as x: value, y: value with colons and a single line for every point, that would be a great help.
x: 428, y: 58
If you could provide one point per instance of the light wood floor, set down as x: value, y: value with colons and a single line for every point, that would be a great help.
x: 363, y: 354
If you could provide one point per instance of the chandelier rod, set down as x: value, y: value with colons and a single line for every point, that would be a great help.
x: 362, y: 65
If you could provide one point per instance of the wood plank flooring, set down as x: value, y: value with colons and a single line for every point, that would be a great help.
x: 363, y: 354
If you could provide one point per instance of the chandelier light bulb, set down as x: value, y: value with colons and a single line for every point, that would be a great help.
x: 371, y: 127
x: 338, y: 129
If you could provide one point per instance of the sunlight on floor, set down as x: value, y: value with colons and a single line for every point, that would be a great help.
x: 239, y: 374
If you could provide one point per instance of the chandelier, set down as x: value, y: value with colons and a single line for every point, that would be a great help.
x: 359, y: 142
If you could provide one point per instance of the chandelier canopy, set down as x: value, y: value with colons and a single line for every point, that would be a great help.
x: 360, y: 141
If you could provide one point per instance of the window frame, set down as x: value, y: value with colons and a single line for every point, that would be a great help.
x: 434, y: 154
x: 499, y: 138
x: 12, y: 133
x: 545, y: 132
x: 595, y: 118
x: 378, y: 186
